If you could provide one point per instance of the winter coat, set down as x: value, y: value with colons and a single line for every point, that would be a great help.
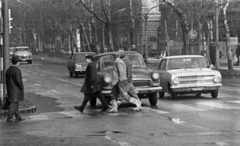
x: 129, y: 69
x: 14, y: 84
x: 238, y: 50
x: 91, y: 79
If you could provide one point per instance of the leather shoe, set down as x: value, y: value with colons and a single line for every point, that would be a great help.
x: 20, y: 119
x: 11, y: 120
x: 79, y: 108
x: 105, y: 109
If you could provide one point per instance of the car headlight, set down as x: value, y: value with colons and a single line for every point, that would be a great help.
x: 175, y: 79
x: 78, y: 65
x: 107, y: 79
x: 217, y: 79
x: 155, y: 76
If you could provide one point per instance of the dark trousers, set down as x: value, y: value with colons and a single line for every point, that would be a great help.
x: 13, y: 110
x: 99, y: 95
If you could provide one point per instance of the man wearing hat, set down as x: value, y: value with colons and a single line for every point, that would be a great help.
x: 91, y: 86
x: 15, y: 90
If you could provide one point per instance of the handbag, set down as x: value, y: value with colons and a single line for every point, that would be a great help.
x: 6, y: 103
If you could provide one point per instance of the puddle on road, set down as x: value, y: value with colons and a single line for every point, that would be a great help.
x: 43, y: 103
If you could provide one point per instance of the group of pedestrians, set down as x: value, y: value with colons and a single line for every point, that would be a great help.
x: 122, y: 85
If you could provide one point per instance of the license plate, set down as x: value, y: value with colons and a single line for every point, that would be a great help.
x: 196, y: 89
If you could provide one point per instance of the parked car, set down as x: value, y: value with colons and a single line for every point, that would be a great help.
x: 11, y: 51
x: 145, y: 80
x: 24, y: 54
x: 76, y: 64
x: 188, y: 74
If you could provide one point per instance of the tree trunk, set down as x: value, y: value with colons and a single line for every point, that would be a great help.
x: 85, y: 36
x: 184, y: 24
x: 132, y: 27
x: 226, y: 28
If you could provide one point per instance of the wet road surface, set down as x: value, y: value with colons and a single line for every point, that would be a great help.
x: 186, y: 121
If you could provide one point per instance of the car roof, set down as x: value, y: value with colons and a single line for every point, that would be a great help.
x: 84, y: 53
x: 111, y: 53
x: 181, y: 56
x: 22, y: 47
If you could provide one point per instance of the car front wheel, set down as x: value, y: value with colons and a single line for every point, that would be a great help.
x: 173, y: 95
x: 161, y: 94
x: 152, y: 98
x: 214, y: 94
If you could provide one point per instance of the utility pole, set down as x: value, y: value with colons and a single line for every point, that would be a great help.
x: 5, y: 62
x: 217, y: 64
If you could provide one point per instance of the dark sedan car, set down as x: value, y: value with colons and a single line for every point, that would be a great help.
x: 76, y: 64
x: 145, y: 80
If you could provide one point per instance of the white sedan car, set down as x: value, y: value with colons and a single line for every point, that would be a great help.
x: 188, y: 74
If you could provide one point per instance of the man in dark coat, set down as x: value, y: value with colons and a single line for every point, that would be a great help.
x: 15, y: 90
x: 237, y: 54
x: 91, y: 86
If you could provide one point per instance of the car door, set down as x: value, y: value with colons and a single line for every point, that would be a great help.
x: 163, y: 74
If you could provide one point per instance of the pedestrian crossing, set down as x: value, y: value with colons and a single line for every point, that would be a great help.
x: 200, y: 106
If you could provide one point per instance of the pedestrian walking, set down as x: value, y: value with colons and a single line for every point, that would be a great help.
x: 237, y: 54
x: 91, y: 86
x: 15, y: 90
x: 122, y: 87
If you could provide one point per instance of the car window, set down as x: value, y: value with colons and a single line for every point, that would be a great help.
x: 81, y: 56
x: 191, y: 62
x: 106, y: 62
x: 163, y: 64
x: 22, y: 49
x: 135, y: 59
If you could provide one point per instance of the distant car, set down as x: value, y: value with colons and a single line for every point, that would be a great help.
x: 76, y: 64
x: 11, y: 51
x: 188, y: 74
x: 145, y: 80
x: 24, y: 54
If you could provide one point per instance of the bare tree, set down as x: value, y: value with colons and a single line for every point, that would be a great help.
x: 223, y: 4
x: 184, y: 24
x: 106, y: 20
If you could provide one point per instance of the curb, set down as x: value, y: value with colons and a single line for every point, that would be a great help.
x: 32, y: 109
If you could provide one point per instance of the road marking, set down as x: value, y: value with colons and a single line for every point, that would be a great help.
x: 217, y: 105
x: 24, y: 80
x: 42, y: 75
x: 37, y: 84
x: 237, y: 101
x: 232, y: 84
x: 156, y: 110
x: 39, y: 117
x: 67, y: 81
x: 182, y: 107
x: 121, y: 143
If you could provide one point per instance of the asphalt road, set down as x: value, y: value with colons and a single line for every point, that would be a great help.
x: 186, y: 121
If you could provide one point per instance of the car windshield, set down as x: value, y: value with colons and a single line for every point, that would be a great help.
x: 81, y: 57
x: 107, y: 62
x: 22, y: 49
x: 135, y: 59
x: 193, y: 62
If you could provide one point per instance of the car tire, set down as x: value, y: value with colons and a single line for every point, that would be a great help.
x: 152, y: 98
x: 76, y: 75
x: 198, y: 95
x: 30, y: 62
x: 214, y: 94
x: 93, y: 101
x: 70, y: 74
x: 173, y: 95
x: 161, y: 94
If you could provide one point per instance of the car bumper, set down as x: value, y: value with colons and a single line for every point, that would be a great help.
x: 195, y: 88
x: 140, y: 90
x: 25, y: 59
x: 80, y: 72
